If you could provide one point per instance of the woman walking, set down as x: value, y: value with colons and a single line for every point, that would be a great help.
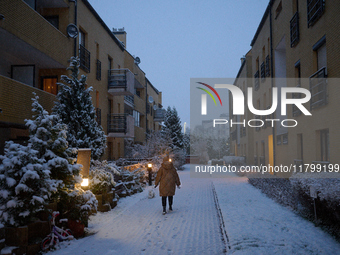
x: 168, y: 178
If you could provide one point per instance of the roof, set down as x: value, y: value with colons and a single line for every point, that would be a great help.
x: 99, y: 19
x: 265, y: 15
x: 156, y: 90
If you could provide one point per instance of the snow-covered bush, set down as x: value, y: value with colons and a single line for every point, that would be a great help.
x: 74, y: 107
x: 234, y: 160
x: 24, y: 186
x: 100, y: 180
x: 77, y: 204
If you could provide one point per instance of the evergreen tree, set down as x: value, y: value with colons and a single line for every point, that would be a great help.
x: 75, y: 108
x: 24, y: 186
x: 172, y: 128
x: 48, y: 137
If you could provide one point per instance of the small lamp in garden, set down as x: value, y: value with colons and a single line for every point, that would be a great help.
x: 170, y: 160
x: 84, y: 158
x: 150, y: 173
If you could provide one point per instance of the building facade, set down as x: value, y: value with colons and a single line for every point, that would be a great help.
x: 295, y: 45
x: 38, y: 38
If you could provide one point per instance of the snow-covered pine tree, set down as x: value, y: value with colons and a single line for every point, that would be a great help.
x: 48, y: 137
x: 75, y: 108
x: 172, y: 128
x: 24, y: 186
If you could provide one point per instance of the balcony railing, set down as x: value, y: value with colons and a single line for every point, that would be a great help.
x: 98, y: 70
x: 267, y: 66
x: 121, y: 82
x: 84, y: 56
x: 99, y: 116
x: 294, y: 30
x: 318, y: 88
x: 116, y: 123
x: 315, y: 9
x: 130, y: 99
x: 257, y: 83
x: 263, y: 71
x: 120, y: 125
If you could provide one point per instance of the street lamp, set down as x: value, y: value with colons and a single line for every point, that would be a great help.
x: 150, y: 173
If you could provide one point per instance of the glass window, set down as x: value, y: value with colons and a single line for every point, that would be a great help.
x: 49, y: 84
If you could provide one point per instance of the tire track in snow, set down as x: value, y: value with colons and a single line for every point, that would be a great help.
x: 220, y: 216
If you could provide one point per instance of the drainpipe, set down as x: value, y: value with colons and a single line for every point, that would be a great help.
x: 75, y: 23
x: 272, y: 73
x: 146, y: 105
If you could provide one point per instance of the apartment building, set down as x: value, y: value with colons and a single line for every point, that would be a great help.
x: 37, y: 39
x: 295, y: 45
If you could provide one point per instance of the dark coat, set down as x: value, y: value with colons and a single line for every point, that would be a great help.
x: 168, y: 178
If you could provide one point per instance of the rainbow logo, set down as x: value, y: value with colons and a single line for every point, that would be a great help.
x: 209, y: 93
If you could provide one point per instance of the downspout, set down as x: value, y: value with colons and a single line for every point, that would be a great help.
x: 272, y: 72
x: 146, y: 107
x: 75, y: 23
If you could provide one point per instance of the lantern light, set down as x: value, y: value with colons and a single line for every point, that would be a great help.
x: 85, y: 182
x: 170, y: 159
x: 149, y: 165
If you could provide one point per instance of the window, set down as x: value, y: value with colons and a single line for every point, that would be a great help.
x: 294, y: 30
x: 278, y: 10
x: 296, y: 110
x: 278, y: 140
x: 315, y: 9
x: 54, y: 20
x: 84, y: 54
x: 49, y: 84
x: 267, y: 66
x: 98, y: 70
x: 285, y: 139
x: 318, y: 80
x: 110, y: 61
x: 136, y: 116
x: 24, y: 74
x: 324, y: 141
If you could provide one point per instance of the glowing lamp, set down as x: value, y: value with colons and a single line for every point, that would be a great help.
x: 170, y: 159
x: 85, y: 182
x: 149, y: 165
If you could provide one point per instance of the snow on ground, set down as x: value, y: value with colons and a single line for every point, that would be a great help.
x: 254, y: 224
x: 137, y: 226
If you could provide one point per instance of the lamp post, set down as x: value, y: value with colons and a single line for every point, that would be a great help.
x: 150, y: 173
x: 84, y: 158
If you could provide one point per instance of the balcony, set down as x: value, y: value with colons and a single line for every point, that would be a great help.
x: 257, y: 83
x: 129, y: 100
x: 121, y: 82
x: 318, y: 89
x: 315, y: 9
x: 120, y: 125
x: 84, y: 56
x: 294, y: 30
x: 159, y: 115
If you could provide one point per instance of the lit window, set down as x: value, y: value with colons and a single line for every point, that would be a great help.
x: 50, y: 85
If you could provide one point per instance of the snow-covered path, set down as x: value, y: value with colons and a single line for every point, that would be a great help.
x: 137, y: 226
x: 254, y: 224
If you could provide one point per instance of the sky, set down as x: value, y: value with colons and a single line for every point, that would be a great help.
x: 178, y: 40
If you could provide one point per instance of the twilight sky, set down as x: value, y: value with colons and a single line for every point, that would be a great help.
x: 178, y: 40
